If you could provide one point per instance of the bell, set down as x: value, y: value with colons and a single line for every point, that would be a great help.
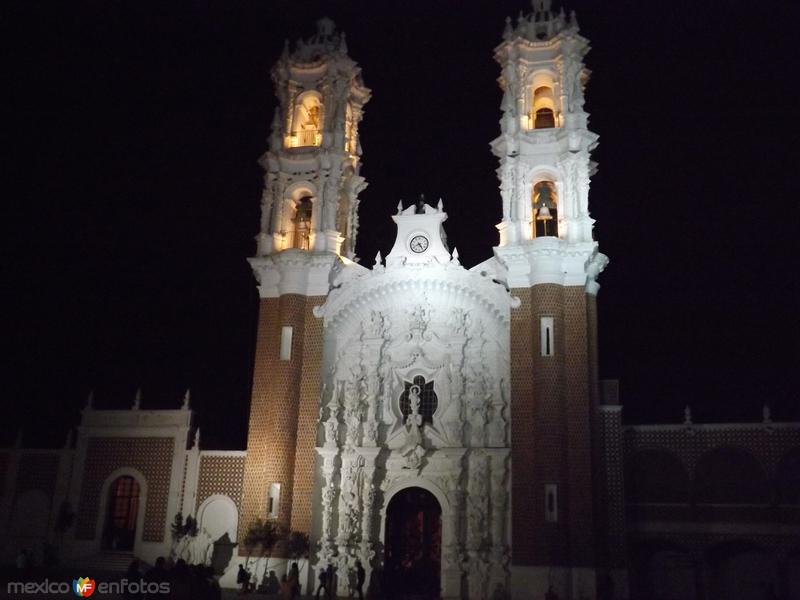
x: 543, y: 214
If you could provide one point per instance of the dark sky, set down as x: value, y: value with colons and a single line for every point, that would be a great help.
x: 132, y: 132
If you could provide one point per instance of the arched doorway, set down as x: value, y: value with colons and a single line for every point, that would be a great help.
x: 413, y: 547
x: 121, y: 512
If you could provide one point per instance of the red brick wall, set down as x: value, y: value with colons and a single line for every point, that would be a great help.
x: 220, y: 475
x: 305, y: 455
x: 551, y: 428
x: 280, y: 388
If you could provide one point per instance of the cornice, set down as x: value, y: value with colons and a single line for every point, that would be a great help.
x: 361, y: 292
x: 294, y: 271
x: 551, y: 260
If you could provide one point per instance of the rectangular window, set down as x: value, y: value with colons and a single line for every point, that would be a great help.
x: 551, y: 502
x: 273, y: 501
x: 546, y: 338
x: 286, y: 343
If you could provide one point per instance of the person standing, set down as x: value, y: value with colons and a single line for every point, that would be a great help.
x: 331, y: 582
x: 323, y: 583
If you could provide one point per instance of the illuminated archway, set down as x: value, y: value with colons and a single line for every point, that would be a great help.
x: 306, y: 121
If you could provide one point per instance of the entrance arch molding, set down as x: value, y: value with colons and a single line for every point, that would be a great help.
x: 450, y: 585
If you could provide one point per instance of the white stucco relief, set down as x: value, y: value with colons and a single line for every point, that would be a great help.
x: 390, y: 332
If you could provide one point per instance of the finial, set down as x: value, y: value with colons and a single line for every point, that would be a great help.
x: 342, y: 43
x: 399, y: 207
x: 325, y: 27
x: 378, y: 259
x: 186, y: 399
x: 507, y: 30
x: 137, y: 400
x: 89, y: 400
x: 455, y: 256
x: 687, y: 415
x: 440, y: 206
x: 541, y: 6
x: 766, y: 414
x: 573, y: 18
x: 196, y: 439
x: 420, y: 209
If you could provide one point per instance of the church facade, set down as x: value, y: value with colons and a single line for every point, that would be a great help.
x: 443, y: 426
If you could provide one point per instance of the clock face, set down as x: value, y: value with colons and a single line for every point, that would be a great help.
x: 419, y: 243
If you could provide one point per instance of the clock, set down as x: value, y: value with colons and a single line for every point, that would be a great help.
x: 418, y: 244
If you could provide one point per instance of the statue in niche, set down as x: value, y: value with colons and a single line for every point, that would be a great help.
x: 331, y: 426
x: 370, y: 432
x: 412, y: 450
x: 459, y: 322
x: 328, y: 494
x: 497, y: 426
x: 418, y: 320
x: 413, y: 403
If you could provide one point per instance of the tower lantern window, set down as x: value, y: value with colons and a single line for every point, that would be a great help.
x: 545, y: 209
x: 302, y: 223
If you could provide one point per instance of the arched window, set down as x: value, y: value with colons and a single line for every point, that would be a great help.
x: 123, y: 507
x: 302, y: 223
x: 545, y: 209
x: 543, y: 113
x: 306, y: 121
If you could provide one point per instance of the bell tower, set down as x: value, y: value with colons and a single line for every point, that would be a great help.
x: 550, y: 262
x: 308, y: 229
x: 545, y: 142
x: 312, y: 181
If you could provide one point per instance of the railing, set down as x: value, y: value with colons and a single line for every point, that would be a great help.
x: 304, y: 138
x: 295, y: 239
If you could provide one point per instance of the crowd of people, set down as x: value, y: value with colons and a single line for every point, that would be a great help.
x: 186, y: 582
x: 288, y: 586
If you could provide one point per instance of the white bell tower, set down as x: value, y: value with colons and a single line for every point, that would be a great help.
x: 544, y: 146
x: 312, y: 181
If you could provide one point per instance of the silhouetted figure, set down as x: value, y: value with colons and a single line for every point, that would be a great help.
x: 286, y: 587
x: 270, y: 584
x: 323, y: 584
x: 331, y: 582
x: 180, y: 585
x: 158, y: 574
x: 361, y: 575
x: 133, y: 574
x: 294, y: 581
x: 243, y: 579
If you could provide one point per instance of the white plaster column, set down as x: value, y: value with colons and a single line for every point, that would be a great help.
x: 328, y: 455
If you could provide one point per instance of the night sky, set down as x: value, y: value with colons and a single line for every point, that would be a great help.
x: 132, y: 131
